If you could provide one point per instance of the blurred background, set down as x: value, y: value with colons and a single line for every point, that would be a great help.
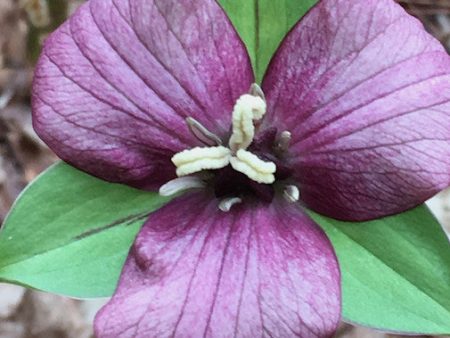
x: 23, y: 26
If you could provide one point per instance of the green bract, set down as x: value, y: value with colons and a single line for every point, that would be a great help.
x: 395, y: 271
x: 69, y: 233
x: 262, y: 24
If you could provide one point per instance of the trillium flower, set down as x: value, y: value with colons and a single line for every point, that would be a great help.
x: 352, y: 121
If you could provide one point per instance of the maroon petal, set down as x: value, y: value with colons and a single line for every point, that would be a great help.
x: 365, y: 92
x: 195, y: 271
x: 115, y: 83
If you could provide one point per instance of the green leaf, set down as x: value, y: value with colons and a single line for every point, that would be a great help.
x: 69, y: 233
x: 395, y: 270
x: 262, y: 25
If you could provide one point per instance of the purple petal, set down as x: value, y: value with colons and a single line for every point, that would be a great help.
x: 195, y: 271
x: 115, y: 83
x: 364, y: 91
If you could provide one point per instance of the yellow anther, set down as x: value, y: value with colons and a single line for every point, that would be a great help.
x: 253, y: 167
x: 197, y: 159
x: 247, y: 109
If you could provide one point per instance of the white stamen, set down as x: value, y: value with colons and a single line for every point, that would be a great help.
x: 181, y: 184
x: 226, y: 204
x: 256, y: 90
x: 203, y: 134
x: 291, y: 193
x: 197, y: 159
x: 248, y: 108
x: 283, y: 141
x: 253, y: 167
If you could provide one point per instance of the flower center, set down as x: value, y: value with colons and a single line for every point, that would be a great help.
x: 248, y: 109
x: 238, y: 170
